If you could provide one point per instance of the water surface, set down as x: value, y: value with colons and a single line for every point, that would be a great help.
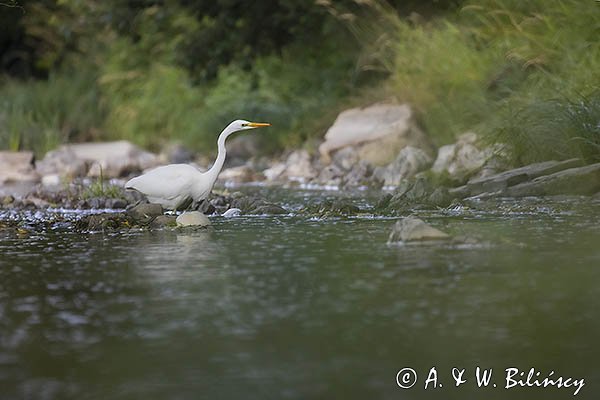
x: 293, y: 307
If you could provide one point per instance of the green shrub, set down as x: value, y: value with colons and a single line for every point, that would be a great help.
x: 39, y: 115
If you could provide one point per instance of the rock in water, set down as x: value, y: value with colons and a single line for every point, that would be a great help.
x: 193, y: 218
x: 163, y: 221
x: 145, y: 212
x: 412, y: 229
x: 232, y: 212
x: 582, y: 180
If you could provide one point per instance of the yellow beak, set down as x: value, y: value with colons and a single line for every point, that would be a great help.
x: 258, y: 124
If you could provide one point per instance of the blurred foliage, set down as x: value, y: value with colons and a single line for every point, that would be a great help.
x: 522, y: 73
x: 40, y: 115
x: 512, y: 70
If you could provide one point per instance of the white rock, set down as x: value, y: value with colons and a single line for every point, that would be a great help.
x: 232, y: 212
x: 298, y: 166
x: 17, y: 167
x: 275, y: 171
x: 51, y: 180
x: 192, y: 218
x: 378, y: 132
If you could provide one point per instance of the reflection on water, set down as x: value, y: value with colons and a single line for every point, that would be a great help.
x: 288, y: 307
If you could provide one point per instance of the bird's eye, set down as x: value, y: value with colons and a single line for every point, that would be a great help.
x: 244, y: 124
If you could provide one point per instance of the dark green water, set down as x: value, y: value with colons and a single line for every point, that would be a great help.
x: 295, y: 308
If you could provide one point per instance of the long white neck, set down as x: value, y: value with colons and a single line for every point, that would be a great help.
x: 214, y: 171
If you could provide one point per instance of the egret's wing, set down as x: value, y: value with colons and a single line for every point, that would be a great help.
x: 165, y: 182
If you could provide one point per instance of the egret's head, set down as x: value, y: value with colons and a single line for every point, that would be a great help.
x: 240, y: 125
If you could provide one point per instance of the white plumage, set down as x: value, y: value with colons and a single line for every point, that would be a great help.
x: 177, y: 186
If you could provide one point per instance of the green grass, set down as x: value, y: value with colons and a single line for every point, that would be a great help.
x: 100, y: 188
x: 39, y: 115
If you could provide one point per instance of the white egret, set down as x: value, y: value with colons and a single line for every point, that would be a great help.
x: 177, y: 186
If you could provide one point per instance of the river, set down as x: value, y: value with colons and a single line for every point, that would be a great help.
x: 294, y: 307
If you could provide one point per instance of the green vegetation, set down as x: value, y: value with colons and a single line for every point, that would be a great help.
x: 526, y: 74
x: 99, y: 188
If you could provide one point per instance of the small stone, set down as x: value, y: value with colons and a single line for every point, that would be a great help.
x: 192, y: 218
x: 413, y: 229
x: 51, y: 180
x: 232, y: 212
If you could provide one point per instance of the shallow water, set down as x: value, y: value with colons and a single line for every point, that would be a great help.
x: 293, y: 307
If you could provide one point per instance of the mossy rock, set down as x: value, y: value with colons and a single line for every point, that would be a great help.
x: 105, y: 221
x: 332, y: 208
x: 419, y: 193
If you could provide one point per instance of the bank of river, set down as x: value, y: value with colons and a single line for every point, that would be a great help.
x: 299, y: 307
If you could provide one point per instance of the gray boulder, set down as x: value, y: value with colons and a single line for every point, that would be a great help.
x: 298, y: 166
x: 145, y: 212
x: 358, y: 175
x: 413, y: 229
x: 62, y: 163
x: 408, y: 163
x: 418, y: 193
x: 498, y: 183
x: 462, y: 159
x: 582, y: 180
x: 331, y: 175
x: 111, y: 159
x: 377, y: 132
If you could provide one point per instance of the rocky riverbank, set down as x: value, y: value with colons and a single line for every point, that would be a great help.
x: 375, y: 147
